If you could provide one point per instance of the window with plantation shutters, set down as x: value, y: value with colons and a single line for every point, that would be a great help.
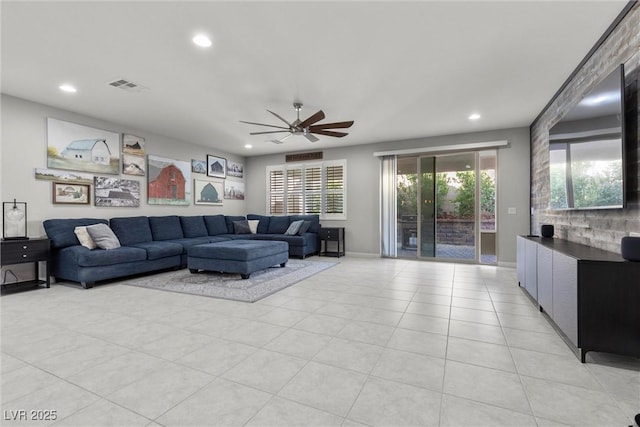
x: 308, y: 188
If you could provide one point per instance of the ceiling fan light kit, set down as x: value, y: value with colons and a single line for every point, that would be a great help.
x: 306, y: 128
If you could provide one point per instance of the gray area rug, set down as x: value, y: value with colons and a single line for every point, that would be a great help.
x: 231, y: 286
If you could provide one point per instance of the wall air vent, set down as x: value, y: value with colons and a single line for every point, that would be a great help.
x: 127, y: 85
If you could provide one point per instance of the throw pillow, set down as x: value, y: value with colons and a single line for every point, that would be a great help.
x: 253, y: 225
x: 83, y: 237
x: 241, y: 227
x: 102, y: 235
x: 293, y: 228
x: 304, y: 228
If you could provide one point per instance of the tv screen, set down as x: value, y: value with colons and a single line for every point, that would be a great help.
x: 586, y: 160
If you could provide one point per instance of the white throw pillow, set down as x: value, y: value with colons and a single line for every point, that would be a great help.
x: 83, y: 237
x: 253, y: 225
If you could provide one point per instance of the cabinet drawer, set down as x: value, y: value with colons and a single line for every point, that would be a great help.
x: 27, y: 251
x: 332, y: 234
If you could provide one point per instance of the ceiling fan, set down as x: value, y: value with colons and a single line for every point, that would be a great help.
x: 306, y: 128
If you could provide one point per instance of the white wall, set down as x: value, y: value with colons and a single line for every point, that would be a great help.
x: 24, y: 148
x: 363, y: 182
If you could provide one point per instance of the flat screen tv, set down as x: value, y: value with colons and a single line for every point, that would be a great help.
x: 586, y: 155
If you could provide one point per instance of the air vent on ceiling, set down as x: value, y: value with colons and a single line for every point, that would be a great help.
x: 127, y: 85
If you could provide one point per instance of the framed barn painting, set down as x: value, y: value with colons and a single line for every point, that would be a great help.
x: 56, y: 175
x: 116, y: 192
x: 132, y: 144
x: 169, y: 181
x: 133, y: 165
x: 235, y: 169
x: 66, y: 193
x: 208, y: 193
x: 198, y: 166
x: 233, y: 190
x: 216, y: 167
x: 82, y: 148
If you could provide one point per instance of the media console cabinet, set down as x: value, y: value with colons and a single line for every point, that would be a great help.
x: 592, y: 296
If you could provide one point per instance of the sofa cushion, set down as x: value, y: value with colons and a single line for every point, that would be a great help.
x: 186, y: 243
x: 241, y: 227
x: 229, y: 219
x: 304, y: 227
x: 315, y: 221
x: 61, y: 231
x: 253, y: 225
x: 157, y: 250
x: 294, y: 227
x: 165, y: 227
x: 103, y: 236
x: 100, y: 257
x: 263, y: 225
x: 131, y: 230
x: 278, y: 224
x: 215, y: 224
x: 193, y: 226
x: 292, y: 240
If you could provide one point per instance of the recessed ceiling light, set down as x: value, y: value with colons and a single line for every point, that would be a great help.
x: 202, y: 40
x: 474, y: 116
x: 67, y: 88
x: 248, y: 146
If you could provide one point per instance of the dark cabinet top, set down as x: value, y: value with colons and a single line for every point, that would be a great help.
x: 577, y: 250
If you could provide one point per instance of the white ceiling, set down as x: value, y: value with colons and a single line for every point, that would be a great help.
x: 399, y: 69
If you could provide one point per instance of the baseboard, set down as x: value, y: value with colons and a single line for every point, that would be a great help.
x: 507, y: 264
x: 362, y: 254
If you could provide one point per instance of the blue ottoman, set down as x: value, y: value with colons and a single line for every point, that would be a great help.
x: 237, y: 256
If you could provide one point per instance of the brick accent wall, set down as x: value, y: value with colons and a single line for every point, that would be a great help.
x: 597, y: 228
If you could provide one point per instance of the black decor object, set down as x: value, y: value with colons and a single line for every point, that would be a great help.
x: 547, y: 230
x: 14, y: 215
x: 630, y: 248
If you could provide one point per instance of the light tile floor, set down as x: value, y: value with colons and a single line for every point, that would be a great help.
x: 368, y: 342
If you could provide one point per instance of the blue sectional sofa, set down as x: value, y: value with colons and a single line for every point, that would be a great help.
x: 161, y: 242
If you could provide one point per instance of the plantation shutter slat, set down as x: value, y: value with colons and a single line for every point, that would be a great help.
x: 334, y: 189
x: 276, y: 192
x: 294, y: 191
x: 313, y: 190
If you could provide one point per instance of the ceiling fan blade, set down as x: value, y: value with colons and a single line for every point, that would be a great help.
x: 311, y: 120
x: 263, y: 124
x: 311, y: 137
x: 329, y: 133
x: 332, y: 125
x: 271, y: 131
x: 279, y: 141
x: 280, y: 117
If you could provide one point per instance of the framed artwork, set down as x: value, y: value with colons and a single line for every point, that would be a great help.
x: 235, y: 169
x: 116, y: 192
x: 66, y: 193
x: 208, y: 192
x: 82, y: 148
x: 56, y: 175
x: 169, y: 181
x: 198, y: 166
x: 233, y: 190
x: 132, y: 144
x: 133, y: 165
x: 216, y: 167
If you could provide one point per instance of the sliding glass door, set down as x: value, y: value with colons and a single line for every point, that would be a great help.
x: 446, y: 207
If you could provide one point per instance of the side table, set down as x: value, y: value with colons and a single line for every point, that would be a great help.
x: 26, y: 251
x: 332, y: 234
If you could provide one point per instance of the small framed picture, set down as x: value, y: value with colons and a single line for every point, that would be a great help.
x: 208, y: 192
x: 198, y: 166
x: 216, y: 167
x: 71, y: 194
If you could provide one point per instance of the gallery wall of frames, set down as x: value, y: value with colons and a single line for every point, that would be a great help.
x: 91, y: 166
